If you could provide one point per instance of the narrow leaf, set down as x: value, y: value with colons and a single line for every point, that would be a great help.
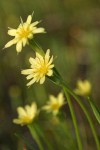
x: 95, y: 109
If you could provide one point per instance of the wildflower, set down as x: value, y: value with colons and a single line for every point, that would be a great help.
x: 54, y: 104
x: 40, y: 67
x: 23, y: 33
x: 26, y: 115
x: 83, y: 87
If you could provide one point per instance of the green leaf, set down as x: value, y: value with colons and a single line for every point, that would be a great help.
x: 95, y: 109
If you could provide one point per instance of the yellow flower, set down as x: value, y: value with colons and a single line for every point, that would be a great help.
x: 54, y: 104
x: 83, y: 87
x: 40, y: 67
x: 26, y: 115
x: 23, y: 33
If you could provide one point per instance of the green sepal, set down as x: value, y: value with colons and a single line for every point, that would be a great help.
x: 56, y: 78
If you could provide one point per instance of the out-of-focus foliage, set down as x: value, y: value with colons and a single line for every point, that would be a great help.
x: 73, y: 35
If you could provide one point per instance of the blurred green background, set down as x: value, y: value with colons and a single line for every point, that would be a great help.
x: 73, y: 35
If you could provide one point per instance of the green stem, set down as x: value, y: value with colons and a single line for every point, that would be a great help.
x: 35, y: 136
x: 58, y: 80
x: 95, y: 109
x: 87, y: 115
x: 39, y: 130
x: 90, y: 99
x: 36, y: 47
x: 74, y: 120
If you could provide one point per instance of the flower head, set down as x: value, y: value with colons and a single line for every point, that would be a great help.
x: 26, y: 115
x: 83, y: 87
x: 54, y: 104
x: 23, y: 33
x: 40, y: 67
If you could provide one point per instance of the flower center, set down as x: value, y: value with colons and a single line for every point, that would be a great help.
x: 24, y: 32
x: 26, y: 119
x: 43, y: 69
x: 55, y: 106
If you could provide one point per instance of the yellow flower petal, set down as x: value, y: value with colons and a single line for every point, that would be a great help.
x: 19, y: 46
x: 24, y: 41
x: 32, y: 60
x: 34, y: 23
x: 10, y: 43
x: 29, y: 76
x: 39, y: 30
x: 21, y: 111
x: 61, y: 99
x: 29, y: 19
x: 27, y: 71
x: 12, y: 32
x: 42, y: 80
x: 50, y: 73
x: 31, y: 82
x: 17, y: 121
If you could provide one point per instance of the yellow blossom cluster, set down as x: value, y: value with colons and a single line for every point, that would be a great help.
x: 40, y: 66
x: 28, y: 114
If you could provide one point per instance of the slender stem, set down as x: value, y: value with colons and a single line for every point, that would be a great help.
x: 74, y: 119
x: 35, y: 136
x: 90, y: 99
x: 39, y: 130
x: 94, y: 108
x: 36, y: 47
x: 57, y: 80
x: 87, y: 115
